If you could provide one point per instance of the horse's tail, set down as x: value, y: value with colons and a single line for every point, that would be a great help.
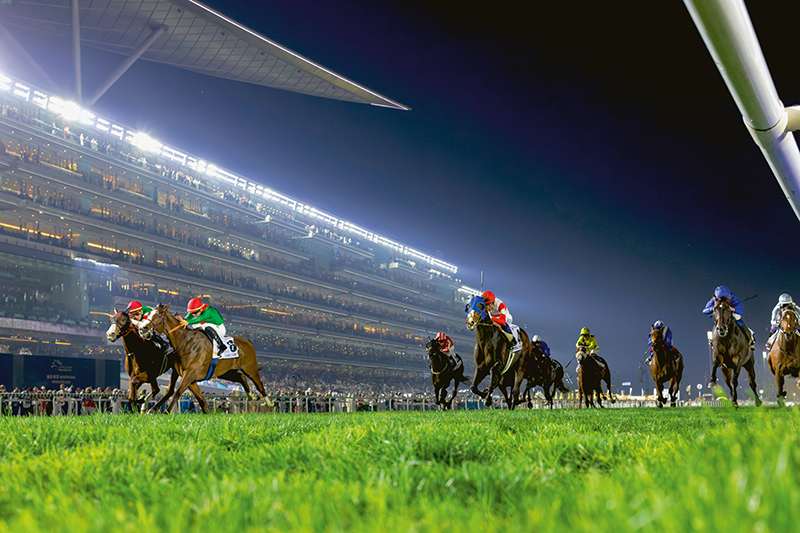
x: 560, y: 386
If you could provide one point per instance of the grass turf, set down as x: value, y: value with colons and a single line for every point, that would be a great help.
x: 688, y: 469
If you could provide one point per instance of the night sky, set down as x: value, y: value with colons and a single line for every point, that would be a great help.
x: 588, y: 157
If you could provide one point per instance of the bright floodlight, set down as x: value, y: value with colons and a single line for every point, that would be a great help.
x: 71, y: 111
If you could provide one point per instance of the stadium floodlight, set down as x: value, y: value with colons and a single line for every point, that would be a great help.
x: 728, y: 32
x: 145, y: 142
x: 70, y: 111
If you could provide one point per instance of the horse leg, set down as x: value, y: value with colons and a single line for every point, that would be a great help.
x: 172, y: 379
x: 198, y: 394
x: 518, y: 377
x: 480, y: 375
x: 548, y: 397
x: 713, y: 381
x: 673, y: 392
x: 726, y: 373
x: 660, y: 394
x: 453, y: 397
x: 779, y: 378
x: 749, y: 367
x: 189, y: 377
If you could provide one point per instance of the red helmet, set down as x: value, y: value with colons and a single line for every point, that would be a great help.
x: 134, y: 306
x: 488, y: 297
x: 440, y: 336
x: 194, y: 305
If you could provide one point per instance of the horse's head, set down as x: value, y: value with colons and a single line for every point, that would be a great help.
x: 581, y: 354
x: 120, y: 326
x: 722, y: 315
x: 157, y: 321
x: 788, y: 321
x: 476, y: 312
x: 656, y: 337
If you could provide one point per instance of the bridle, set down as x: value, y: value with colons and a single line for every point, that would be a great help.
x: 162, y: 322
x: 435, y: 349
x: 721, y: 309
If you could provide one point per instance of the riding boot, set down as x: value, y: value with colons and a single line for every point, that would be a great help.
x: 213, y: 333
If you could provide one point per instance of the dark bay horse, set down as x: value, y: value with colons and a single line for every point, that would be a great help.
x: 492, y: 353
x: 539, y: 371
x: 144, y: 360
x: 442, y: 374
x: 784, y: 355
x: 590, y: 377
x: 195, y: 362
x: 731, y: 351
x: 665, y: 365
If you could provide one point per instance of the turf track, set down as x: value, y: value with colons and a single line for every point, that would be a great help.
x: 671, y: 470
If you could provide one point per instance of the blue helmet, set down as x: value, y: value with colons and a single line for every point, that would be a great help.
x: 722, y: 292
x: 658, y: 325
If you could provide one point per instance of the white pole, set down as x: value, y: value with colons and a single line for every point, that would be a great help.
x: 730, y: 38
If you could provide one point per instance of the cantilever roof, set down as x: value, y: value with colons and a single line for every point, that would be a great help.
x: 197, y: 39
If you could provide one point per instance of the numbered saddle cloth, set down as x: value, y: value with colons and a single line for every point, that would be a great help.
x: 231, y: 350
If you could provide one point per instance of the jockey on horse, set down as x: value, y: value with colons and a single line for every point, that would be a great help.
x: 724, y: 293
x: 588, y: 342
x: 206, y: 318
x: 784, y: 302
x: 447, y: 347
x: 666, y: 334
x: 540, y: 346
x: 498, y: 312
x: 140, y: 317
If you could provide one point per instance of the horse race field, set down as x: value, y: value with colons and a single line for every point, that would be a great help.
x: 618, y: 470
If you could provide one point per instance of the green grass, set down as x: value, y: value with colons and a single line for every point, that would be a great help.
x: 671, y: 470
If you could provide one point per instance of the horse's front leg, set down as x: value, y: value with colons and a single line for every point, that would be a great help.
x: 453, y: 396
x: 660, y: 393
x: 714, y: 368
x: 480, y: 374
x: 726, y: 374
x: 749, y: 367
x: 673, y: 392
x: 518, y: 377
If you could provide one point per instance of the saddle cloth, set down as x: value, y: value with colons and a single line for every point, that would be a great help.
x: 459, y: 362
x: 231, y: 352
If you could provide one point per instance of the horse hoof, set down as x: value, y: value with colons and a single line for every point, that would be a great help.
x: 758, y: 402
x: 530, y: 405
x: 660, y: 405
x: 488, y: 401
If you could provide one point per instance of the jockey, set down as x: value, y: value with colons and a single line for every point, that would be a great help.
x: 723, y: 292
x: 203, y: 316
x: 540, y: 346
x: 499, y: 314
x: 666, y: 334
x: 446, y: 346
x: 589, y: 342
x: 140, y: 317
x: 784, y: 302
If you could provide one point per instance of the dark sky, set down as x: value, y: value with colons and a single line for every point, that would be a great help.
x: 586, y: 156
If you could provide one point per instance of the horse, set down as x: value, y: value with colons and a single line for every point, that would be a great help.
x: 442, y: 374
x: 665, y: 365
x: 144, y: 360
x: 492, y: 348
x: 195, y: 361
x: 731, y: 351
x: 541, y: 371
x: 784, y: 354
x: 591, y: 374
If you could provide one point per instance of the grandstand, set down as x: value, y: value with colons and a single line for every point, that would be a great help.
x: 94, y: 214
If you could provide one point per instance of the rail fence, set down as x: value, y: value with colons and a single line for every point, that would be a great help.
x: 57, y: 404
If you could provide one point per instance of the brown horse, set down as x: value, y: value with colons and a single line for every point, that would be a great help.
x: 144, y: 360
x: 443, y: 373
x: 492, y: 351
x: 731, y: 350
x: 784, y: 355
x: 539, y: 371
x: 591, y: 374
x: 195, y: 362
x: 665, y: 365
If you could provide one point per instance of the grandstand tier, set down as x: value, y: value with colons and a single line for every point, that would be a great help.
x: 89, y: 220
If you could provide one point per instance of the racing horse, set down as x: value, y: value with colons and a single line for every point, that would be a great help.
x: 195, y: 361
x: 540, y: 371
x: 492, y: 353
x: 731, y: 351
x: 443, y: 373
x: 666, y: 364
x: 144, y: 360
x: 784, y: 354
x: 590, y: 377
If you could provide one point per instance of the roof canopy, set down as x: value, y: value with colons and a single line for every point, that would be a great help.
x: 191, y: 36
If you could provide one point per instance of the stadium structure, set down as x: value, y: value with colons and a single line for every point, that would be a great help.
x: 94, y: 214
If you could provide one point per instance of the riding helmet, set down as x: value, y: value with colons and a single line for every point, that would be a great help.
x: 488, y: 297
x: 440, y: 336
x: 134, y: 306
x: 585, y: 331
x: 722, y: 292
x: 785, y: 299
x: 194, y: 305
x: 536, y: 338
